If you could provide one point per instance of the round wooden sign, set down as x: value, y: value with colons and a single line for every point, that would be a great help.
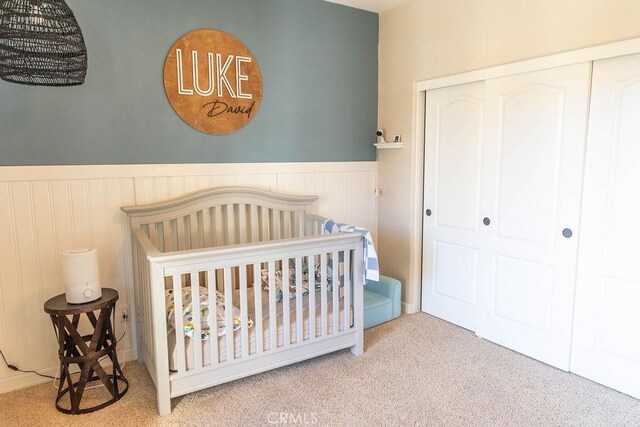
x: 213, y: 82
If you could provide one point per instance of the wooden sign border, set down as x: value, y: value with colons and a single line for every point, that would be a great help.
x: 229, y: 88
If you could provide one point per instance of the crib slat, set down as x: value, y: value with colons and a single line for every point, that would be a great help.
x: 181, y: 235
x: 308, y: 227
x: 299, y: 224
x: 286, y: 313
x: 187, y: 232
x: 295, y: 224
x: 287, y: 224
x: 244, y: 310
x: 336, y: 292
x: 219, y: 227
x: 200, y: 229
x: 257, y: 290
x: 225, y: 225
x: 347, y: 290
x: 277, y: 231
x: 231, y: 225
x: 160, y: 233
x: 273, y: 336
x: 206, y: 228
x: 153, y: 234
x: 299, y: 312
x: 253, y: 224
x: 220, y: 277
x: 283, y: 224
x: 264, y: 214
x: 213, y: 230
x: 213, y: 317
x: 174, y: 235
x: 242, y: 222
x: 228, y: 313
x: 167, y: 237
x: 178, y: 313
x: 193, y: 227
x: 196, y: 341
x: 311, y: 260
x: 193, y: 231
x: 323, y: 294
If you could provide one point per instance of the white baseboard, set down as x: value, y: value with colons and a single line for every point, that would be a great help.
x: 23, y: 380
x: 410, y: 308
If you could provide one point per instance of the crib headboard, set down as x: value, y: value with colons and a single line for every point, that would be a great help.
x: 224, y: 216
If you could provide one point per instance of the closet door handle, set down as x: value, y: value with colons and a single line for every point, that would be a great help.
x: 567, y: 233
x: 486, y: 221
x: 428, y: 212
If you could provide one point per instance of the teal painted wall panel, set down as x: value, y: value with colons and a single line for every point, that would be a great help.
x: 319, y: 63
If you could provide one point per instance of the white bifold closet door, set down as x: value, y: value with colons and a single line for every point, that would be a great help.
x: 515, y: 189
x: 606, y: 340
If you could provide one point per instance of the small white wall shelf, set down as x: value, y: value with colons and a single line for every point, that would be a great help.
x: 388, y: 145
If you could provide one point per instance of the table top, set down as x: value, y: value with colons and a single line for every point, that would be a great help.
x: 59, y: 304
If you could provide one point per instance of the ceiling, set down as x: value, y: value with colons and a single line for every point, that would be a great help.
x: 372, y: 5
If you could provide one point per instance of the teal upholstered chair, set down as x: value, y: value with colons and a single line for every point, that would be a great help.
x: 381, y: 301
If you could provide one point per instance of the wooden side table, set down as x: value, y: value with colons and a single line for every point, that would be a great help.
x: 86, y: 351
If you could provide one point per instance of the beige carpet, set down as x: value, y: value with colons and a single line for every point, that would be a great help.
x: 417, y: 370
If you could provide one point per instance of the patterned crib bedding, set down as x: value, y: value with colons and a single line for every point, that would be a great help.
x: 281, y: 291
x: 187, y: 315
x: 291, y: 289
x: 266, y: 330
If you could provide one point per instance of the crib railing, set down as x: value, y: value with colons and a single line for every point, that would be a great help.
x: 229, y: 224
x: 238, y: 268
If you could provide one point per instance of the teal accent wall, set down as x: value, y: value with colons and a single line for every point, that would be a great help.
x: 319, y: 63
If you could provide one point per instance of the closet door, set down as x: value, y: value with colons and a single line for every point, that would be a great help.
x: 535, y: 128
x: 606, y: 340
x: 453, y: 163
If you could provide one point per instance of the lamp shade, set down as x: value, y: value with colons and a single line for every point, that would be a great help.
x: 41, y: 44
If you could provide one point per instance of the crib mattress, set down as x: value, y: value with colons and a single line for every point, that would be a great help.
x: 205, y: 345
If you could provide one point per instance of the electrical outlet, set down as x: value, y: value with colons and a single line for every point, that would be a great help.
x: 124, y: 314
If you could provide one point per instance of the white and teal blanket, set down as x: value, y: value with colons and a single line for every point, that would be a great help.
x: 371, y: 270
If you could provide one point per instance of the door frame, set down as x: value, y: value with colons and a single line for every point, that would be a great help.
x: 589, y: 54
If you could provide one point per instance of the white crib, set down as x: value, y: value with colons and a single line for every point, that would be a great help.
x: 222, y: 239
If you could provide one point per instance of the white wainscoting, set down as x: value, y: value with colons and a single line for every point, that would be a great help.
x: 45, y: 210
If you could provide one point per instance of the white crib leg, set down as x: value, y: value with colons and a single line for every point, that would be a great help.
x: 358, y: 301
x: 358, y: 322
x: 164, y: 398
x: 160, y: 343
x: 358, y: 349
x: 358, y: 317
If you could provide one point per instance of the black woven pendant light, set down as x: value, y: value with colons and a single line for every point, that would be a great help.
x: 41, y: 44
